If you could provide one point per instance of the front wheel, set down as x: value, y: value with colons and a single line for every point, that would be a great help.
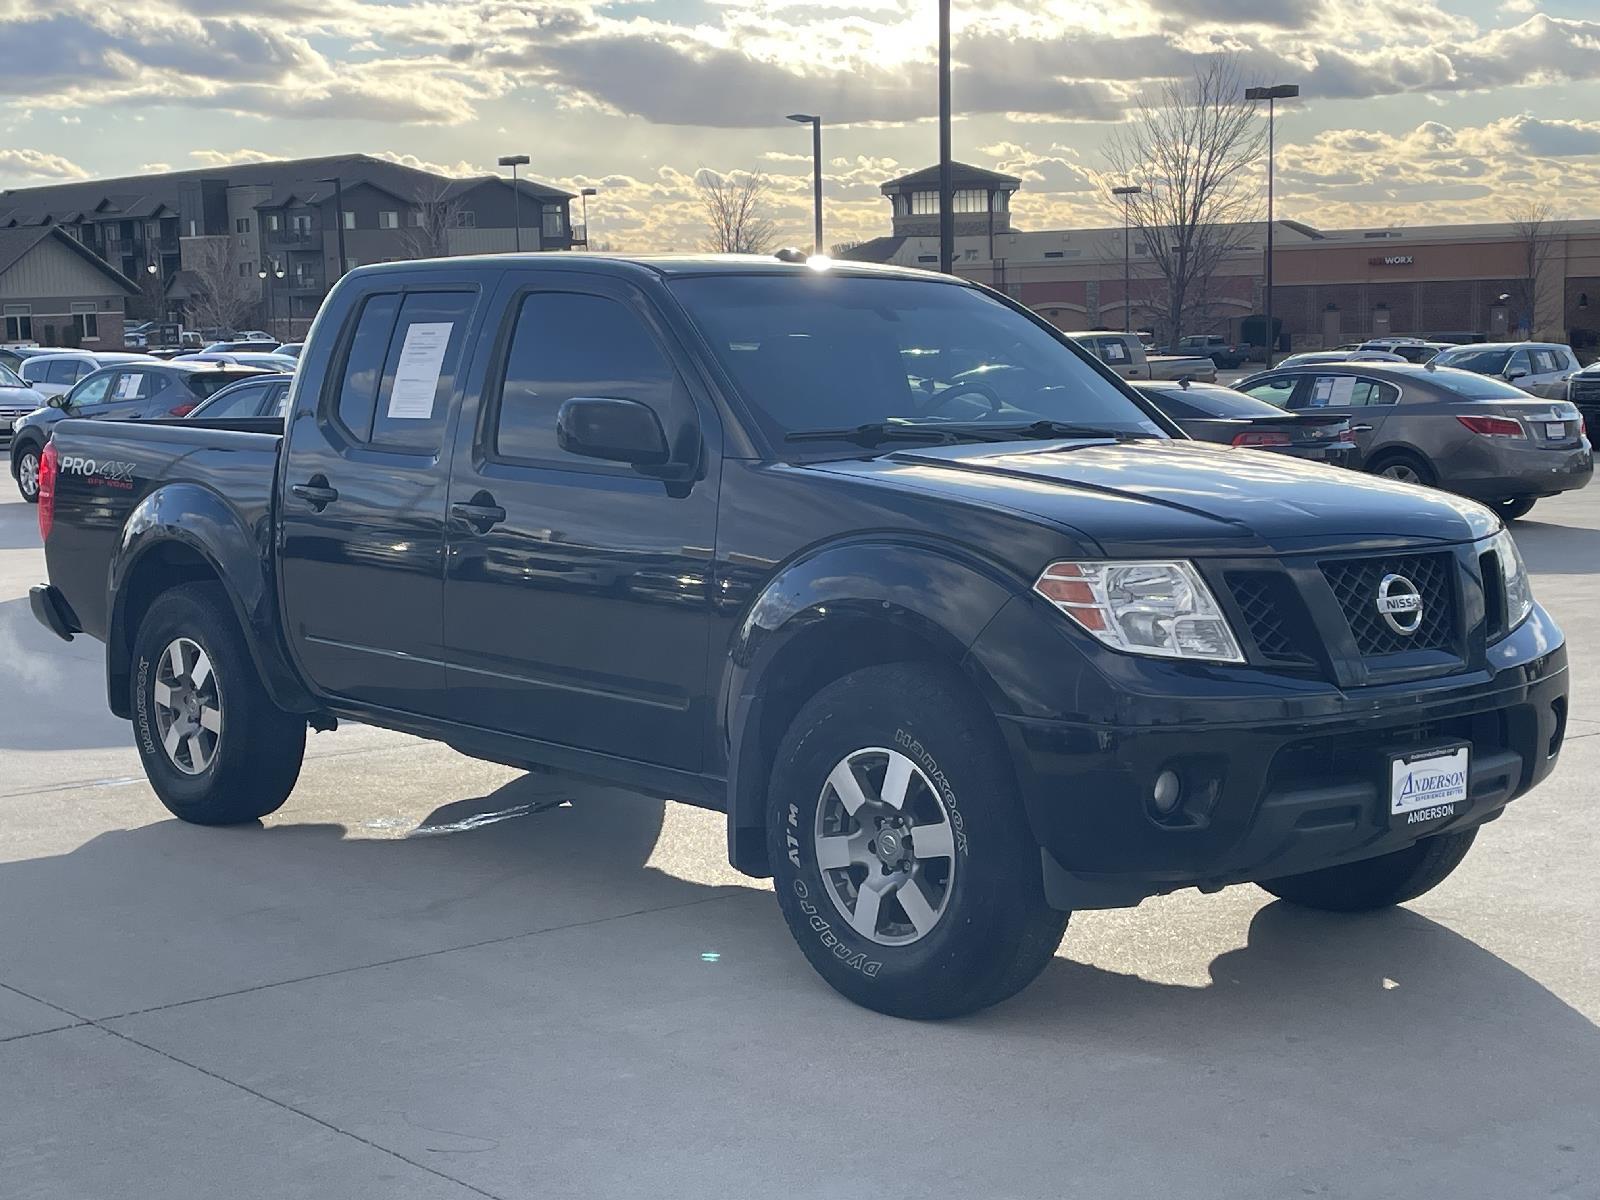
x: 1515, y: 508
x: 1380, y: 882
x: 28, y: 473
x: 902, y: 858
x: 215, y: 747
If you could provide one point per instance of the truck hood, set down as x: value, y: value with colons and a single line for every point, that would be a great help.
x: 1187, y: 497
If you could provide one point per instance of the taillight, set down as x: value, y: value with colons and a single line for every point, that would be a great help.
x: 1493, y: 426
x: 47, y: 490
x: 182, y: 410
x: 1262, y: 437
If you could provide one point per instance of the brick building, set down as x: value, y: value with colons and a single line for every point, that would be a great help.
x: 1330, y: 286
x: 283, y: 219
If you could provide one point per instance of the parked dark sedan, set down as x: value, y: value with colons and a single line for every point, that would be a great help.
x: 262, y: 396
x: 1209, y: 412
x: 138, y: 389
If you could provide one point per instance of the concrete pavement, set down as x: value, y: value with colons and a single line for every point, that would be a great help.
x: 431, y: 977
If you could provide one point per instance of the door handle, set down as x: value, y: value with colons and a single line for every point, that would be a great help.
x: 482, y: 514
x: 316, y: 492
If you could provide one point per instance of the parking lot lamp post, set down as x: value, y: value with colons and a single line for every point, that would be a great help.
x: 584, y: 194
x: 947, y: 216
x: 265, y: 276
x: 338, y: 218
x: 1127, y: 257
x: 816, y: 175
x: 514, y: 161
x: 1278, y: 91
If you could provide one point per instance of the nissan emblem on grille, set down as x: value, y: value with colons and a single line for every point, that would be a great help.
x: 1400, y: 604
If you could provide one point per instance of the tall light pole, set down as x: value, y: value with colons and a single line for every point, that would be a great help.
x: 263, y: 275
x: 1127, y: 257
x: 584, y: 194
x: 816, y: 175
x: 514, y: 161
x: 338, y: 217
x: 1278, y: 91
x: 947, y: 216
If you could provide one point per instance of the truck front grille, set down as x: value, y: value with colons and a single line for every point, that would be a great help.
x: 1270, y: 610
x: 1355, y: 584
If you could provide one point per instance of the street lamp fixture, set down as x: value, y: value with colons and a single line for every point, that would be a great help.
x: 1127, y: 256
x: 584, y: 194
x: 1271, y: 94
x: 151, y: 268
x: 514, y: 161
x: 816, y: 175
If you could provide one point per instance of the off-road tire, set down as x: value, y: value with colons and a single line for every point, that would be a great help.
x: 995, y: 933
x: 1380, y: 882
x: 258, y: 750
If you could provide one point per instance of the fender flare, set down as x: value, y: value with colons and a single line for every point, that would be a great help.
x: 202, y: 522
x: 934, y: 594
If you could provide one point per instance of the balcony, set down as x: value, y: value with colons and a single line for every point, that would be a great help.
x: 304, y: 285
x: 294, y: 239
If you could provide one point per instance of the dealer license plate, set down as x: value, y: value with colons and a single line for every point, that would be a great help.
x: 1429, y: 785
x: 1555, y: 431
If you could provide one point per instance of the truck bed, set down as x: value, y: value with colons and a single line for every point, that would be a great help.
x: 107, y: 469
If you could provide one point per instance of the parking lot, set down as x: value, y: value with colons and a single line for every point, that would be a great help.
x: 429, y: 976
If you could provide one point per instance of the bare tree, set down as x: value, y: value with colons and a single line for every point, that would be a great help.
x: 222, y: 295
x: 1534, y: 225
x: 437, y: 213
x: 1191, y: 149
x: 736, y: 212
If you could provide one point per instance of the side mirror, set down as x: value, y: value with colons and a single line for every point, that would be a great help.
x: 1515, y: 373
x: 58, y: 401
x: 613, y: 429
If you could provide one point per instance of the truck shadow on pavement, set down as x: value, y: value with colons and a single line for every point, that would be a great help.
x: 52, y: 693
x: 544, y: 933
x: 1557, y: 549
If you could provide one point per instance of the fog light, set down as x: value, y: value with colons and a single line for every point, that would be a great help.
x: 1167, y: 790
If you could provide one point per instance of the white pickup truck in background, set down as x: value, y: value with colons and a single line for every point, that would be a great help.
x: 1124, y: 354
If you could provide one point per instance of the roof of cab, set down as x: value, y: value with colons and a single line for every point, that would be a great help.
x: 666, y: 265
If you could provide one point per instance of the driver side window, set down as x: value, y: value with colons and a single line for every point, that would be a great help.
x: 92, y: 391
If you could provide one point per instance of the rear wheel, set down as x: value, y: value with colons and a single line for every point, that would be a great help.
x: 215, y: 747
x: 1515, y: 508
x: 1378, y: 882
x: 902, y: 858
x: 1404, y: 468
x: 28, y: 473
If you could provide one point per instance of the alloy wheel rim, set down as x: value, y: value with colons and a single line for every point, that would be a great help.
x: 885, y: 846
x: 28, y: 474
x: 188, y: 706
x: 1403, y: 473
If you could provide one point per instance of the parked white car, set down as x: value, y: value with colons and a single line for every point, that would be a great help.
x: 55, y: 374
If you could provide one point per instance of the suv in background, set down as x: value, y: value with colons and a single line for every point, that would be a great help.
x: 1411, y: 349
x: 56, y: 373
x: 1538, y: 368
x: 1218, y: 349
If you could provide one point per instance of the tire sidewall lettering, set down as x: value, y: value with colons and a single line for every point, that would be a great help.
x: 918, y: 753
x: 142, y: 706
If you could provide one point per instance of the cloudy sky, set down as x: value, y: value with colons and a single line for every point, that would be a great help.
x: 1433, y: 110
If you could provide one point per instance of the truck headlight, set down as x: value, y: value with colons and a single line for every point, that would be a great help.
x: 1514, y: 575
x: 1157, y: 608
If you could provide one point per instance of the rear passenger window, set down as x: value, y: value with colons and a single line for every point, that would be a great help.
x: 363, y: 365
x: 61, y: 370
x: 419, y: 373
x: 568, y: 345
x: 1544, y: 362
x: 1370, y: 391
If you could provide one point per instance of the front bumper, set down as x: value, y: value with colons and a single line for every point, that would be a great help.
x: 1276, y: 780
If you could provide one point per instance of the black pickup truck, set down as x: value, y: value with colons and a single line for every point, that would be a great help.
x: 960, y: 632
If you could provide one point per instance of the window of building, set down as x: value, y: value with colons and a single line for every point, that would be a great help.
x: 86, y: 321
x: 273, y: 223
x: 113, y: 232
x: 194, y: 228
x: 927, y: 258
x: 301, y: 224
x: 554, y: 224
x: 349, y: 219
x: 970, y: 200
x: 924, y: 204
x: 19, y: 322
x: 386, y: 220
x: 563, y: 346
x: 462, y: 219
x: 1002, y: 201
x: 241, y: 225
x: 246, y: 269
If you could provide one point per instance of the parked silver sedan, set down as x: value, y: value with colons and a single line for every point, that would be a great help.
x: 1470, y: 434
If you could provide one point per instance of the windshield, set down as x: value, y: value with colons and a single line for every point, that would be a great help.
x: 839, y: 351
x: 9, y: 378
x: 1484, y: 362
